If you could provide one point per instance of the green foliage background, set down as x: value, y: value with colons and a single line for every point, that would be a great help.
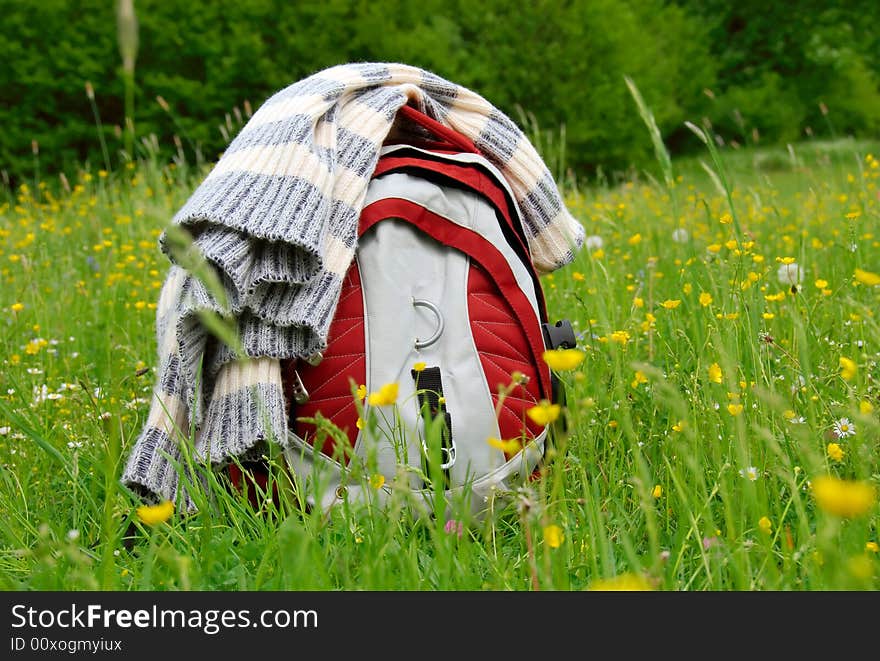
x: 754, y: 70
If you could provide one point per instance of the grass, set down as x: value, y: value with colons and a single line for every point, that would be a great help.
x: 701, y: 421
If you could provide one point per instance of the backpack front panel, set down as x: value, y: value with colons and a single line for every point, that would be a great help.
x: 441, y: 286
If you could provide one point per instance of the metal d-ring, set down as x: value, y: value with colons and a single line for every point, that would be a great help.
x: 419, y: 303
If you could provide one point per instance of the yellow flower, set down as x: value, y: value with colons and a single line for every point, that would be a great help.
x: 657, y: 491
x: 872, y: 547
x: 360, y: 424
x: 705, y: 299
x: 715, y: 373
x: 385, y: 396
x: 848, y: 369
x: 17, y: 307
x: 377, y: 480
x: 867, y: 278
x: 511, y: 446
x: 671, y: 304
x: 821, y: 284
x: 687, y: 288
x: 624, y: 582
x: 734, y: 409
x: 553, y: 536
x: 715, y: 247
x: 765, y: 525
x: 639, y: 302
x: 638, y: 379
x: 865, y: 407
x: 835, y: 451
x: 544, y: 413
x: 578, y: 276
x: 679, y: 426
x: 774, y: 297
x: 726, y: 219
x: 419, y: 366
x: 562, y: 360
x: 361, y: 392
x: 155, y: 514
x: 635, y: 239
x: 844, y: 498
x: 620, y: 336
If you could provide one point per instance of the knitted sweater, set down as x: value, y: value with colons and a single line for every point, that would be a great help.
x: 276, y: 220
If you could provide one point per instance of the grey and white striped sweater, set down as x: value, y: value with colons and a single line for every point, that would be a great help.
x: 277, y: 218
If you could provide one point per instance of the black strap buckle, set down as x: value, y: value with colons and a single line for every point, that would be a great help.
x: 559, y: 335
x: 429, y: 390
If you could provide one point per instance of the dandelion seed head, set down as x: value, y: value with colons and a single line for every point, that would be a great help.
x: 790, y: 274
x: 593, y: 242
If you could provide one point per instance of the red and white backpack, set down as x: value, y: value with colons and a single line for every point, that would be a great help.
x: 443, y: 303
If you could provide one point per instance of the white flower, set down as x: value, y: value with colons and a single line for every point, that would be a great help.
x: 751, y: 473
x: 5, y: 430
x: 593, y: 242
x: 73, y: 534
x: 40, y: 393
x: 844, y: 428
x: 790, y: 274
x: 680, y: 235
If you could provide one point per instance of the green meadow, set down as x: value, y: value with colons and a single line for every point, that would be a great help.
x: 721, y: 423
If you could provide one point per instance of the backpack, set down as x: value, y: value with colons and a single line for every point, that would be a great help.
x: 442, y: 323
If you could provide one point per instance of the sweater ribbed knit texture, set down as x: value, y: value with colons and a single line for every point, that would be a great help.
x: 277, y: 218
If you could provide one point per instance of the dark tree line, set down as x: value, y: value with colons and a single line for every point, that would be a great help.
x: 751, y: 69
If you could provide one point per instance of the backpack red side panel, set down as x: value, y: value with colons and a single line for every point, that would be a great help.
x: 329, y: 383
x: 504, y: 350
